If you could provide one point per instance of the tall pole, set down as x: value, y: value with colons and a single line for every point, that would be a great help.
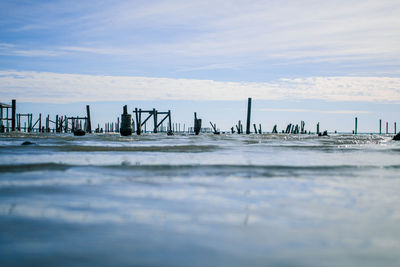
x: 155, y: 120
x: 380, y: 126
x: 13, y: 114
x: 88, y: 124
x: 355, y: 126
x: 169, y: 121
x: 248, y: 116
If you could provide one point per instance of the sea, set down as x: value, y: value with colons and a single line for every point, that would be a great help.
x: 206, y: 200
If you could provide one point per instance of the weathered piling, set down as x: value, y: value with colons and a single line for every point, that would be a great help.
x: 13, y: 114
x: 255, y: 128
x: 395, y: 130
x: 387, y: 127
x: 259, y: 129
x: 274, y: 130
x: 214, y: 127
x: 380, y: 126
x: 318, y: 128
x: 88, y: 120
x: 126, y: 125
x: 138, y: 121
x: 248, y: 116
x: 355, y: 125
x: 197, y: 124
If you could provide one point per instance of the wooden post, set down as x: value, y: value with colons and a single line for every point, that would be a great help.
x: 29, y: 123
x: 155, y: 120
x: 13, y: 114
x: 57, y: 124
x: 169, y: 121
x: 318, y: 128
x: 380, y: 126
x: 355, y: 125
x: 126, y: 122
x: 255, y: 128
x: 66, y: 124
x: 387, y: 127
x: 248, y: 116
x: 259, y: 129
x: 40, y: 122
x: 197, y: 124
x: 395, y: 130
x: 48, y: 124
x: 88, y: 121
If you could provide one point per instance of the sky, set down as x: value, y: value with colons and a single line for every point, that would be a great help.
x: 326, y: 61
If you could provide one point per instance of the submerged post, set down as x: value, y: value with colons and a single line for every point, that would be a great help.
x: 248, y: 116
x: 13, y: 114
x: 88, y: 121
x: 355, y: 125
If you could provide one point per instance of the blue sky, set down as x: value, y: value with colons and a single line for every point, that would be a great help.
x: 344, y: 55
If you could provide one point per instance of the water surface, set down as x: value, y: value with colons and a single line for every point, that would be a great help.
x: 228, y: 200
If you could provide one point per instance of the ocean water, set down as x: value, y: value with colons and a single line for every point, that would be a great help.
x: 208, y: 200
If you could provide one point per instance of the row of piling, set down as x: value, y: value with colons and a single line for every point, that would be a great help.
x: 128, y: 126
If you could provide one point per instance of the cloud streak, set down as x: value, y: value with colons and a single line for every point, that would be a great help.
x: 31, y: 86
x: 215, y: 32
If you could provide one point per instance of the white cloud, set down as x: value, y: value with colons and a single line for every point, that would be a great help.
x: 64, y: 88
x: 245, y: 30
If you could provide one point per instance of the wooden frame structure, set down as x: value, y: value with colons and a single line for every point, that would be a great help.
x: 152, y: 113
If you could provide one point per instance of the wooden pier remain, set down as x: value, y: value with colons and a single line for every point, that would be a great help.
x: 248, y: 115
x: 355, y: 125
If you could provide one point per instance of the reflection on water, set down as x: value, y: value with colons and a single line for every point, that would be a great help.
x: 199, y: 200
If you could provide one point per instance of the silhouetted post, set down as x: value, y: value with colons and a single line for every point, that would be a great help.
x: 259, y: 129
x: 318, y: 128
x: 197, y: 124
x: 57, y: 124
x: 13, y: 114
x: 248, y: 116
x: 40, y: 122
x: 18, y: 122
x: 387, y: 127
x: 255, y: 128
x: 66, y: 124
x: 274, y: 130
x: 48, y: 124
x: 380, y: 126
x: 30, y: 123
x: 355, y: 125
x: 155, y: 120
x: 88, y: 121
x: 395, y: 130
x: 169, y: 121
